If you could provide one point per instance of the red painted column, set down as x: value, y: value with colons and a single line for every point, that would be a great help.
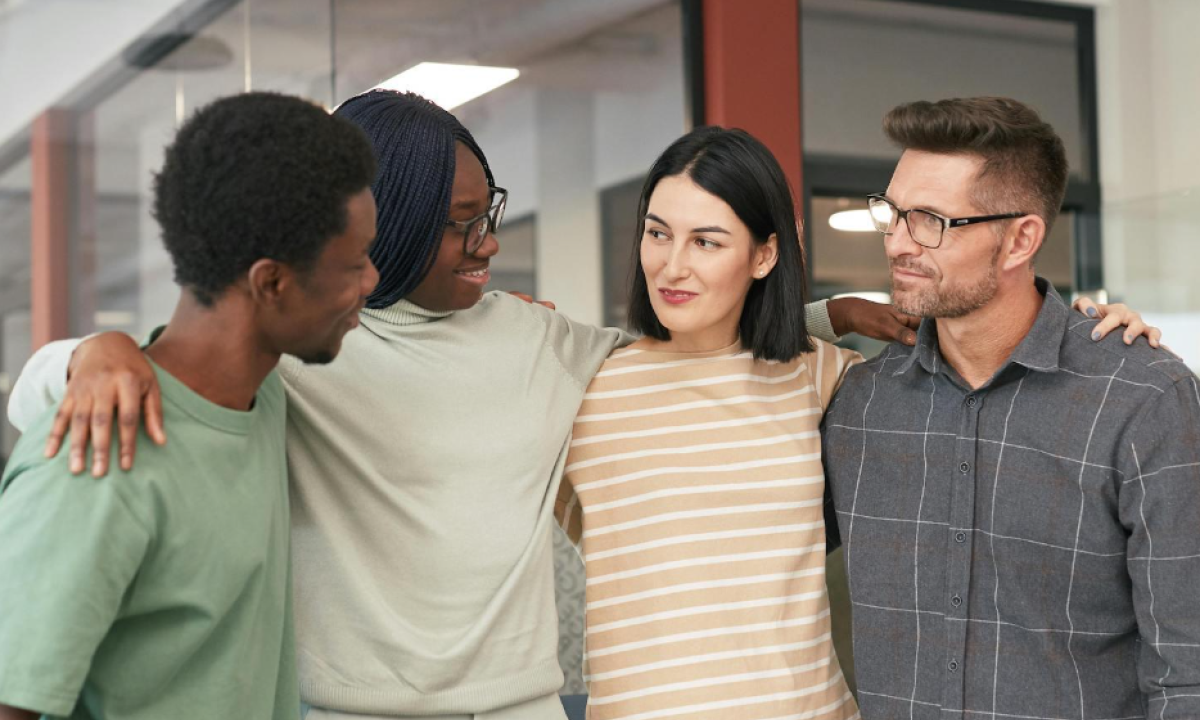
x: 752, y: 74
x: 51, y: 207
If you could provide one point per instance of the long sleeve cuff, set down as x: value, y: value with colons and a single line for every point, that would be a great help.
x: 816, y: 319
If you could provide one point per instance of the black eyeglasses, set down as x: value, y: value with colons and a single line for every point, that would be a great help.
x: 476, y: 230
x: 924, y: 227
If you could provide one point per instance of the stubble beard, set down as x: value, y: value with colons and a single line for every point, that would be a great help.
x: 952, y: 300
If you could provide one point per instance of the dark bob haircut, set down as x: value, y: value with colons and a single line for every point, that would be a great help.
x: 253, y: 176
x: 740, y: 170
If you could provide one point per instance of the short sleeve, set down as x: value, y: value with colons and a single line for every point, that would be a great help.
x: 71, y: 548
x: 829, y: 364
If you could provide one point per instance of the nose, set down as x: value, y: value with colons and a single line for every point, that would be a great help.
x: 370, y: 279
x: 900, y: 242
x: 490, y: 246
x: 677, y: 261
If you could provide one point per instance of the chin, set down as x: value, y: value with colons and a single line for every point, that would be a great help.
x: 323, y: 356
x: 469, y: 301
x: 677, y: 324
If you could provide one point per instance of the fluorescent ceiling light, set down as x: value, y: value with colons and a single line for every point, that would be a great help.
x: 450, y: 85
x: 852, y: 221
x: 878, y: 297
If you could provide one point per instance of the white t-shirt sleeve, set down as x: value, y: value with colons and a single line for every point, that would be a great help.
x: 42, y: 383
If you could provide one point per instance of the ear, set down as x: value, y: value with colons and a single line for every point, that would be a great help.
x: 268, y: 281
x: 1024, y: 238
x: 765, y: 257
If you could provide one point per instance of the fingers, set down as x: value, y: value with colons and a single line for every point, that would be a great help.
x: 62, y: 421
x: 102, y: 420
x: 1105, y: 326
x: 1087, y: 307
x: 899, y: 331
x: 521, y: 295
x: 129, y: 406
x: 81, y: 418
x: 547, y: 304
x: 152, y: 407
x: 1155, y: 337
x: 1136, y: 327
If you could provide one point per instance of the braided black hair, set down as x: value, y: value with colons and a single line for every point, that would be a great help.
x: 414, y: 146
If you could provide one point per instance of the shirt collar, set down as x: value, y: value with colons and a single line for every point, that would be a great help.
x: 1038, y: 351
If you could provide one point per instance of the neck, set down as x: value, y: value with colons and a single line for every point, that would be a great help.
x: 216, y: 351
x: 978, y: 344
x: 707, y: 340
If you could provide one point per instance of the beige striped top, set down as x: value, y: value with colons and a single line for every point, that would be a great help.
x: 694, y: 490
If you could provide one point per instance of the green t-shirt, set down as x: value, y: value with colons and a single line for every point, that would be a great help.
x: 164, y: 592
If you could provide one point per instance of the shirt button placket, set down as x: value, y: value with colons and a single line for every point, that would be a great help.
x: 958, y: 570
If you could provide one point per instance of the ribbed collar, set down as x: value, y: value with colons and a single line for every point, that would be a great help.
x: 406, y: 313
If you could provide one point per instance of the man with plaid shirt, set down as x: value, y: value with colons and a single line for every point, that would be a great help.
x: 1019, y: 504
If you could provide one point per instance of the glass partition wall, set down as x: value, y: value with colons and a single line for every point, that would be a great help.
x: 600, y: 93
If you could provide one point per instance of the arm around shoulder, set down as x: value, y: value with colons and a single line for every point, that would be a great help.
x: 580, y: 348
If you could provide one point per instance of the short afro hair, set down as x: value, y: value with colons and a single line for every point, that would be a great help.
x: 253, y: 176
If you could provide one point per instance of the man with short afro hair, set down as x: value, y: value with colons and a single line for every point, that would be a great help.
x: 165, y: 591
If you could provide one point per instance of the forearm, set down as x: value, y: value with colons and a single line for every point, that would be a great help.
x: 41, y: 384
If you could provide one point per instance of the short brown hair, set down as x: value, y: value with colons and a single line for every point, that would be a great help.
x: 1025, y: 165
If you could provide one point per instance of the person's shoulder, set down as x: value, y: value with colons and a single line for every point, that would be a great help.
x: 823, y: 350
x: 49, y: 479
x: 28, y: 456
x: 1137, y: 362
x: 882, y: 366
x: 498, y: 310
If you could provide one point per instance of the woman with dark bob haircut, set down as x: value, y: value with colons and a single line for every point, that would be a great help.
x: 735, y: 167
x: 694, y: 486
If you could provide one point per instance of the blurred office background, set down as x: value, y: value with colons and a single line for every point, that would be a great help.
x: 91, y: 91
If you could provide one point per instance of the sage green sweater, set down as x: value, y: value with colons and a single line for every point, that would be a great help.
x: 424, y: 464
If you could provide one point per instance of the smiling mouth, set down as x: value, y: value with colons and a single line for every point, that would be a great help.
x: 479, y: 276
x: 676, y: 297
x: 908, y: 273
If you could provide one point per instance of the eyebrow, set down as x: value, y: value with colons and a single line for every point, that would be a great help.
x: 465, y: 205
x: 926, y: 208
x: 707, y: 229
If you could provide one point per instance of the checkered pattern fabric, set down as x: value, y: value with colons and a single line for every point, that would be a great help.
x: 1029, y: 549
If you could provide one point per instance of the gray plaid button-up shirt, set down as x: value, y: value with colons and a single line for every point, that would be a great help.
x: 1029, y: 549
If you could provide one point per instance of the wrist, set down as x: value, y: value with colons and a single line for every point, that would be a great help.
x: 840, y: 315
x: 85, y: 345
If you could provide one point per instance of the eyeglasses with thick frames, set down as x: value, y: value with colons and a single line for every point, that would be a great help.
x: 924, y: 227
x: 476, y: 229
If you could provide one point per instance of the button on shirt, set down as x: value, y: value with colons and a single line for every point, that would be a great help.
x: 1029, y: 548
